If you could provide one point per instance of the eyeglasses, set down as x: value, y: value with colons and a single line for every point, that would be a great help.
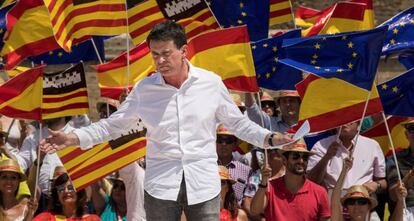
x: 410, y: 130
x: 63, y: 187
x: 357, y: 201
x: 296, y: 156
x: 227, y: 140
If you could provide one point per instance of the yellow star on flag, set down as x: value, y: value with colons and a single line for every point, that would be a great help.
x: 317, y: 46
x: 339, y: 70
x: 273, y: 69
x: 274, y: 49
x: 50, y: 53
x: 350, y: 65
x: 313, y: 61
x: 354, y: 54
x: 384, y: 87
x: 265, y: 45
x: 392, y: 41
x: 267, y: 75
x: 253, y: 46
x: 402, y: 24
x: 241, y: 5
x: 350, y: 45
x: 240, y: 21
x: 317, y: 67
x: 60, y: 54
x: 343, y: 37
x: 395, y: 89
x: 315, y: 56
x: 395, y: 31
x: 243, y: 14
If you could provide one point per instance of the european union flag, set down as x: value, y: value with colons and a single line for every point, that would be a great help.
x: 397, y: 95
x: 253, y: 13
x: 407, y: 60
x: 80, y: 52
x: 400, y: 32
x: 350, y: 56
x: 270, y: 73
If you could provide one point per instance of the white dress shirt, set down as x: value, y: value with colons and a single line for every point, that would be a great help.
x: 369, y: 162
x: 181, y: 132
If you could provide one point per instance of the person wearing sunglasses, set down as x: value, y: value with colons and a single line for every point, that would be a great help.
x: 66, y: 203
x: 291, y: 197
x: 229, y: 209
x: 405, y: 159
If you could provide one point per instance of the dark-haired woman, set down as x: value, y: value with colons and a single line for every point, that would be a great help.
x: 229, y: 210
x: 67, y: 204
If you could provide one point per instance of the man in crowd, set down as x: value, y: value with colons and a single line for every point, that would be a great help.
x: 181, y: 173
x: 292, y: 196
x: 405, y: 160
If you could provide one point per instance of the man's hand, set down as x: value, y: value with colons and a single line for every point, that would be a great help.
x: 401, y: 191
x: 266, y: 173
x: 279, y: 139
x: 348, y: 163
x: 371, y: 187
x: 58, y: 140
x: 333, y: 148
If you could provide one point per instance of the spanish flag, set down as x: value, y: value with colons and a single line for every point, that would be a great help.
x: 65, y: 93
x: 342, y: 17
x: 226, y: 52
x: 195, y: 18
x: 330, y: 102
x: 368, y: 21
x: 87, y: 166
x: 29, y: 32
x: 280, y: 12
x: 397, y: 130
x: 21, y: 96
x: 78, y: 19
x: 306, y: 17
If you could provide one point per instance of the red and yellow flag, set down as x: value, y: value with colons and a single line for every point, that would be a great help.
x: 329, y: 103
x: 342, y: 17
x: 368, y: 22
x: 306, y: 17
x: 78, y: 19
x: 21, y: 96
x: 226, y: 52
x: 280, y: 12
x: 29, y: 32
x: 65, y: 93
x: 87, y: 166
x: 397, y: 130
x: 195, y: 18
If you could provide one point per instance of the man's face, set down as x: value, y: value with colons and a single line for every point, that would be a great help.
x: 409, y: 133
x: 349, y: 130
x: 167, y: 57
x: 297, y: 162
x: 289, y: 106
x: 268, y: 107
x: 225, y: 145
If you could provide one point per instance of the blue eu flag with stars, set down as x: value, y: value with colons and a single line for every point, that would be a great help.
x: 270, y: 73
x: 80, y: 52
x: 397, y: 95
x: 400, y: 34
x: 253, y: 13
x: 350, y: 56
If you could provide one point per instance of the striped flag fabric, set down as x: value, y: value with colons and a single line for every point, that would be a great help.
x: 20, y: 97
x: 144, y: 14
x: 306, y: 17
x: 87, y: 166
x: 29, y: 32
x: 280, y: 12
x: 65, y: 93
x: 228, y: 53
x: 17, y: 70
x: 342, y: 17
x: 329, y: 103
x: 368, y: 21
x: 397, y: 130
x: 77, y: 19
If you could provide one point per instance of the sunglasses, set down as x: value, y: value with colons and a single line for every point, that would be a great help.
x: 357, y: 201
x: 296, y: 156
x: 227, y: 140
x: 410, y: 130
x: 270, y: 104
x: 62, y: 188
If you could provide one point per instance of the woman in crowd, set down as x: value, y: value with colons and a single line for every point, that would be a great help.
x: 12, y: 209
x: 66, y: 203
x: 229, y: 210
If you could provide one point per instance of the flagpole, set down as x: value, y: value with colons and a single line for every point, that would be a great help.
x: 393, y: 150
x: 293, y: 14
x: 214, y: 16
x: 38, y: 160
x: 262, y: 122
x: 96, y: 51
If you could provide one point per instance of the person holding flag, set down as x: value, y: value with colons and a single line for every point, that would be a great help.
x: 181, y: 173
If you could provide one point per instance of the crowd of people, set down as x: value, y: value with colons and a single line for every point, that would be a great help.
x: 195, y: 167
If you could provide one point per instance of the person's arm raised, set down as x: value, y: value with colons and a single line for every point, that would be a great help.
x: 58, y: 140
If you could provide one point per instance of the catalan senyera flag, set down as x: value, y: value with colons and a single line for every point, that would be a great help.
x: 112, y: 76
x: 397, y: 130
x: 306, y: 17
x: 280, y: 11
x: 77, y: 19
x: 368, y: 22
x: 143, y: 15
x: 342, y: 17
x: 29, y: 32
x: 21, y: 96
x: 87, y: 166
x: 329, y: 103
x: 65, y: 93
x: 226, y: 52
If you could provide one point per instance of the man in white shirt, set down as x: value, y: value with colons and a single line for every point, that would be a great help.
x: 180, y: 106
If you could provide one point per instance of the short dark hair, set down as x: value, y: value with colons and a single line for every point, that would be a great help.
x: 166, y: 31
x: 56, y: 206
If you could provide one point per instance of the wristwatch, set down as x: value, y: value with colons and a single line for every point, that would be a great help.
x: 262, y: 185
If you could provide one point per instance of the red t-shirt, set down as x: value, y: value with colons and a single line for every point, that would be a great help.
x: 309, y: 203
x: 226, y: 216
x: 48, y: 216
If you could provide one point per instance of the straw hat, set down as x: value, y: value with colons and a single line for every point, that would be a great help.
x: 222, y: 130
x: 409, y: 121
x: 298, y: 146
x: 266, y: 97
x: 359, y: 191
x: 11, y: 166
x: 59, y: 170
x: 224, y: 174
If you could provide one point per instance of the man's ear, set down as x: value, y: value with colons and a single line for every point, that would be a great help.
x: 184, y: 50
